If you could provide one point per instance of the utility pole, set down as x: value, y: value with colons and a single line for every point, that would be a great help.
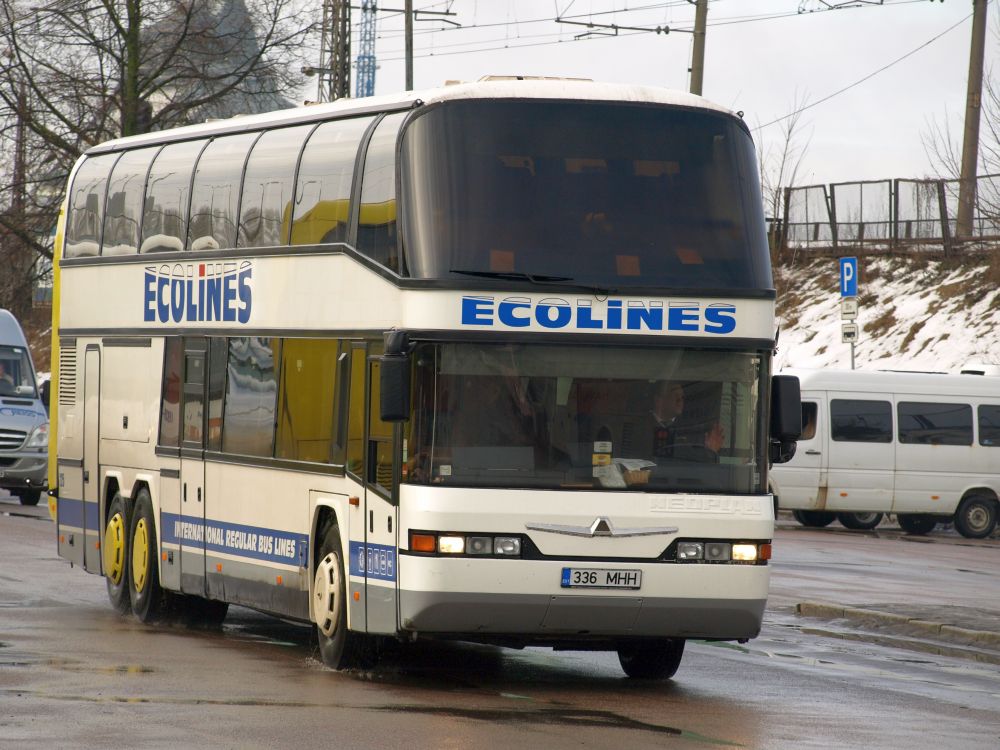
x: 408, y: 10
x: 973, y: 107
x: 334, y: 71
x: 698, y: 52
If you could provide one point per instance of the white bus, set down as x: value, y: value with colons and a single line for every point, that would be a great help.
x: 387, y: 366
x: 923, y: 446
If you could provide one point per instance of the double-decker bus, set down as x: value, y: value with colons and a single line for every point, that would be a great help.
x: 400, y: 367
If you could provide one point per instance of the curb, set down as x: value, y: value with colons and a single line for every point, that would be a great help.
x: 946, y: 631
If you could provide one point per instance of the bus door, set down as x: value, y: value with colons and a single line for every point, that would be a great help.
x: 195, y: 367
x: 92, y: 522
x: 373, y: 548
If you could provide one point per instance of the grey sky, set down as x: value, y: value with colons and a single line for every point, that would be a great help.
x: 762, y: 57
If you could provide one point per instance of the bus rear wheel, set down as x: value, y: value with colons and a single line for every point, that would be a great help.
x: 814, y: 519
x: 148, y: 600
x: 338, y: 647
x: 652, y: 660
x: 114, y: 553
x: 976, y: 517
x: 916, y: 523
x: 859, y: 521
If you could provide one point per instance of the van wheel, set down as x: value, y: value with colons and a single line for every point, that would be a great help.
x: 976, y: 516
x: 29, y: 497
x: 916, y: 523
x: 652, y: 660
x: 149, y: 601
x: 114, y: 554
x: 814, y: 519
x: 338, y: 647
x: 859, y: 521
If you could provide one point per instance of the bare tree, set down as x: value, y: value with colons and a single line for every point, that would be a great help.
x: 74, y: 73
x: 781, y: 160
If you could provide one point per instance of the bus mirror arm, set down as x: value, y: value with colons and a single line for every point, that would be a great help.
x: 394, y: 378
x: 786, y: 418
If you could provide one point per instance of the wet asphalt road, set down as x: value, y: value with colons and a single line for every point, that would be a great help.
x: 73, y: 674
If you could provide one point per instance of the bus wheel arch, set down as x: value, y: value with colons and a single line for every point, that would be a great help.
x: 976, y: 516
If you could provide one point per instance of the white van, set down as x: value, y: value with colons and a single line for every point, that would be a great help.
x: 923, y: 446
x: 24, y: 420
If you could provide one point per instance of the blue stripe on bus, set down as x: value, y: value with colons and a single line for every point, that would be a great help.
x: 70, y: 512
x: 373, y: 561
x: 255, y: 542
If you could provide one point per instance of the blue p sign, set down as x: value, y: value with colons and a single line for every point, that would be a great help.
x: 848, y: 277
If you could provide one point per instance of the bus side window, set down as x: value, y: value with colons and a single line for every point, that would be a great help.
x: 377, y: 220
x: 216, y: 190
x: 323, y: 186
x: 124, y: 210
x: 170, y: 403
x: 251, y: 392
x: 307, y: 401
x: 164, y: 212
x: 266, y: 198
x: 86, y: 209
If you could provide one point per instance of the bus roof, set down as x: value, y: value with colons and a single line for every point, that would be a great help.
x: 876, y: 382
x: 496, y: 88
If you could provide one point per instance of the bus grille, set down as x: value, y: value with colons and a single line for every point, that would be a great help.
x: 67, y: 373
x: 12, y: 439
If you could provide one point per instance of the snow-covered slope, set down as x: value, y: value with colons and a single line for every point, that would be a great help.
x: 915, y: 313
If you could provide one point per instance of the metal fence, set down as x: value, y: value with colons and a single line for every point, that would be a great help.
x: 886, y: 215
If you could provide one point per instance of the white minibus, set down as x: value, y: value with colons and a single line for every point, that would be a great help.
x: 923, y: 446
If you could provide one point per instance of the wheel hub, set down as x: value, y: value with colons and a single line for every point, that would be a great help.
x: 140, y: 555
x: 327, y: 600
x: 113, y: 548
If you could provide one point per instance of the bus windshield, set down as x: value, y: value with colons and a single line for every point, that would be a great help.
x: 570, y: 417
x: 607, y: 195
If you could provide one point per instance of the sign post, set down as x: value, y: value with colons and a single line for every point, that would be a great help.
x: 849, y: 302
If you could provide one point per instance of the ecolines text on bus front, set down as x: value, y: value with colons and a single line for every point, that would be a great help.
x: 198, y: 292
x: 554, y: 313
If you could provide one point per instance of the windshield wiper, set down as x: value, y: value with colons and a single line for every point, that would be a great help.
x: 539, y: 279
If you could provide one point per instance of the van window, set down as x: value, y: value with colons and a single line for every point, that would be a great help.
x: 989, y: 425
x: 861, y: 421
x: 935, y: 424
x: 810, y: 409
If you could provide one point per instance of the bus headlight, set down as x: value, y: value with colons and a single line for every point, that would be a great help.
x: 745, y: 552
x: 507, y: 545
x: 451, y: 545
x: 690, y: 551
x: 721, y: 551
x: 467, y: 545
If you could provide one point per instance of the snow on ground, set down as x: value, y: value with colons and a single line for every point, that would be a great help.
x: 914, y: 313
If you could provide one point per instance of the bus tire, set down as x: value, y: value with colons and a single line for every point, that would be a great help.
x: 149, y: 601
x: 814, y: 519
x: 29, y: 497
x: 916, y: 523
x: 652, y: 660
x: 115, y: 554
x: 339, y: 648
x: 976, y: 516
x: 859, y: 521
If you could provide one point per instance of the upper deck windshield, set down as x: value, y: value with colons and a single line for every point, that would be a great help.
x: 16, y: 376
x: 606, y: 194
x: 567, y: 417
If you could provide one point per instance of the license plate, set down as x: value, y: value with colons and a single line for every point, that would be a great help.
x: 601, y: 578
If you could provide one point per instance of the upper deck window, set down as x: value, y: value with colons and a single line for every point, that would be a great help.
x: 377, y: 221
x: 125, y: 189
x: 86, y: 206
x: 608, y: 194
x: 216, y: 192
x: 323, y: 192
x: 164, y: 214
x: 266, y: 203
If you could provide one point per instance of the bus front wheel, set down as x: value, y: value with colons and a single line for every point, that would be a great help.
x: 338, y: 647
x: 976, y: 517
x: 652, y: 660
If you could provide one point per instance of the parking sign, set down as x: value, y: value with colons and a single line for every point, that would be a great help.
x: 848, y: 277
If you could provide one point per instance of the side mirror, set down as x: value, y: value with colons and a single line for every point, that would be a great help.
x: 786, y: 418
x: 46, y: 391
x: 394, y: 378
